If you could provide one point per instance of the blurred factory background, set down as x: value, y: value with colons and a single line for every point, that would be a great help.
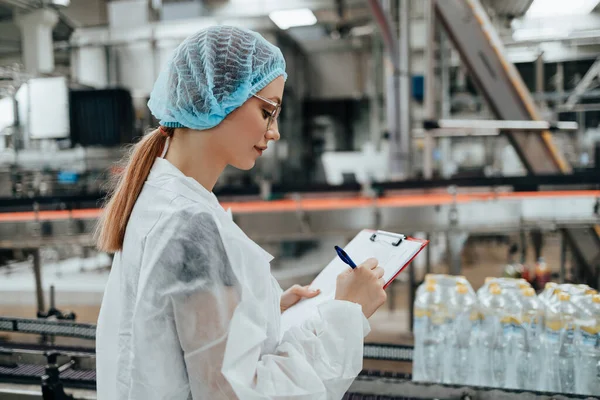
x: 473, y: 123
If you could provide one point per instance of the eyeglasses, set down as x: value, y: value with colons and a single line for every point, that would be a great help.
x: 272, y: 114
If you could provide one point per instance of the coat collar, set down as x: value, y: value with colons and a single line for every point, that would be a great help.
x: 166, y: 175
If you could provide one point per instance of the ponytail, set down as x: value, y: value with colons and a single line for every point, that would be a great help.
x: 110, y: 231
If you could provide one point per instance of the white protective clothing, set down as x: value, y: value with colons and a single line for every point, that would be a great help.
x: 191, y: 311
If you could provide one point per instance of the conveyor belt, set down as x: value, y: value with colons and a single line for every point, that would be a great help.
x: 588, y: 178
x: 32, y: 374
x: 481, y: 50
x: 324, y: 204
x: 382, y: 385
x: 369, y: 385
x: 47, y: 327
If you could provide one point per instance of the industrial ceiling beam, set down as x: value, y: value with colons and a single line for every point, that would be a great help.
x: 590, y: 76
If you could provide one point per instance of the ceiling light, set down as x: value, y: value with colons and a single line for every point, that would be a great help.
x: 557, y: 8
x: 285, y: 19
x: 61, y: 3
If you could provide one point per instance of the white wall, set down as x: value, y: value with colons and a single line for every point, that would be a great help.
x: 87, y: 12
x: 10, y: 43
x: 89, y: 66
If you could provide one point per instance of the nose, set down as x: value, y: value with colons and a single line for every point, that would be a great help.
x: 273, y: 132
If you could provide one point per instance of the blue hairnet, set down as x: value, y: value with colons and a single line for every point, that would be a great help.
x: 210, y: 74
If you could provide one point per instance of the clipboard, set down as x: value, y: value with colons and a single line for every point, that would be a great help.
x: 393, y: 251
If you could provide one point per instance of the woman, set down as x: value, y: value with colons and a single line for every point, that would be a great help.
x: 191, y: 309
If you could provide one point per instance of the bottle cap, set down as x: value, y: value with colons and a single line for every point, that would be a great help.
x: 430, y: 287
x: 524, y: 285
x: 462, y: 289
x: 562, y: 296
x: 495, y: 289
x: 528, y: 292
x: 596, y: 298
x: 550, y: 285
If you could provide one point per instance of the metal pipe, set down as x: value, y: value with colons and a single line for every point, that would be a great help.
x: 563, y: 257
x: 539, y: 76
x: 403, y: 151
x: 523, y: 240
x: 429, y: 88
x: 504, y: 125
x: 411, y: 295
x: 428, y: 255
x: 387, y: 32
x: 37, y: 271
x: 560, y: 78
x: 374, y: 105
x: 52, y: 297
x: 393, y: 81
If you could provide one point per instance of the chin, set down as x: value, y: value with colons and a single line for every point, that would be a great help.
x: 244, y: 165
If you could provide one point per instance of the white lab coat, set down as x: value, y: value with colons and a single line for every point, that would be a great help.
x: 191, y: 310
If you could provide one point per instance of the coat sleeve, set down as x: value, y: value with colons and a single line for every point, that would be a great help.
x: 222, y: 333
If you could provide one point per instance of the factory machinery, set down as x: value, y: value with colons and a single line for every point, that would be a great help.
x: 474, y: 37
x: 550, y: 198
x: 64, y: 210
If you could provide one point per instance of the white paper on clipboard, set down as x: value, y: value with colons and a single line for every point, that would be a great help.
x: 383, y: 246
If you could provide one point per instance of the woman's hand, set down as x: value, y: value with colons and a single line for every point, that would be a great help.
x: 362, y: 285
x: 294, y: 294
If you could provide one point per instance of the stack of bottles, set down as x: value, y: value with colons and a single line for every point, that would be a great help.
x: 506, y: 336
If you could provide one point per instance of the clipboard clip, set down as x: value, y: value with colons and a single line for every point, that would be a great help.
x: 397, y: 238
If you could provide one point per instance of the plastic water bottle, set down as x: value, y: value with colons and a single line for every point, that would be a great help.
x: 493, y: 362
x: 461, y: 338
x: 588, y: 365
x: 542, y: 273
x: 561, y: 350
x: 429, y: 336
x: 547, y: 292
x: 528, y: 343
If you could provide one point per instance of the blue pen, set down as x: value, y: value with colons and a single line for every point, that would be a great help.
x: 345, y: 257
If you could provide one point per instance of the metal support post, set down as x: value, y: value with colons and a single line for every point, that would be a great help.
x: 537, y: 239
x: 392, y: 297
x: 37, y: 271
x: 539, y: 79
x: 428, y: 255
x: 563, y: 257
x: 390, y: 40
x: 445, y: 54
x: 429, y: 143
x: 403, y: 152
x: 583, y: 85
x: 456, y: 241
x: 580, y: 133
x: 454, y: 237
x: 445, y: 144
x: 560, y: 78
x: 412, y: 291
x: 523, y: 245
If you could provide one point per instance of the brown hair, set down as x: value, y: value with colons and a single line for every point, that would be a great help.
x: 110, y: 231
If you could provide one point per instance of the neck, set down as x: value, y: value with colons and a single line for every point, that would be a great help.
x: 192, y: 154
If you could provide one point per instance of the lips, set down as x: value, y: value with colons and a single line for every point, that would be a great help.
x: 260, y: 149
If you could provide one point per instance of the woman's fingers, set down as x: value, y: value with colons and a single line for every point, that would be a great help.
x: 305, y: 291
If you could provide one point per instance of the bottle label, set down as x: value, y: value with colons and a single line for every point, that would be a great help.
x: 420, y: 323
x: 589, y: 339
x: 552, y: 336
